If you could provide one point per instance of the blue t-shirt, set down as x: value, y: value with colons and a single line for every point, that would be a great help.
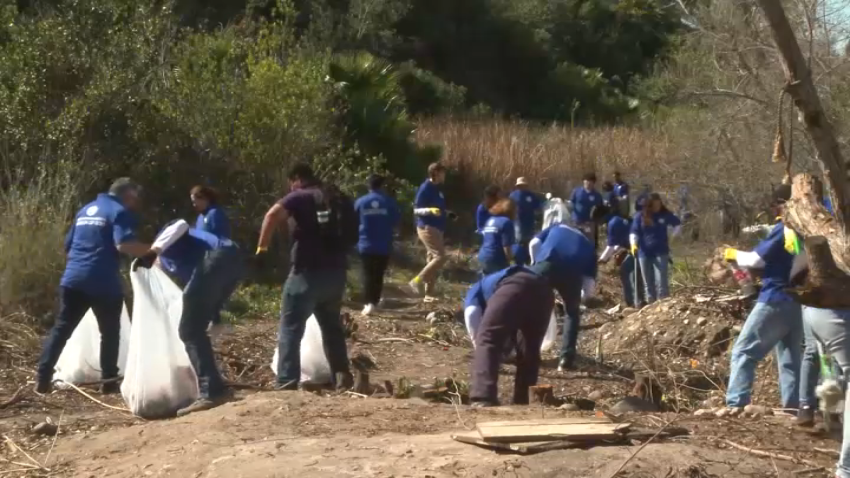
x: 91, y: 244
x: 777, y: 266
x: 481, y: 291
x: 618, y: 232
x: 183, y: 257
x: 653, y: 239
x: 379, y: 214
x: 430, y: 195
x: 641, y: 200
x: 583, y: 203
x: 621, y: 189
x: 568, y: 250
x: 481, y: 216
x: 214, y: 221
x: 527, y: 204
x: 498, y: 234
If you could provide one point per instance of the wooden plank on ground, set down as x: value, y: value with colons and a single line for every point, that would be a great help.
x: 521, y: 432
x: 548, y: 421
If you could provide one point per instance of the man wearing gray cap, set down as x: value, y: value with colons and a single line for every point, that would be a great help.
x: 92, y: 280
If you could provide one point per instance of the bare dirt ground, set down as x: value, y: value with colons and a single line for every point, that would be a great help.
x: 283, y: 434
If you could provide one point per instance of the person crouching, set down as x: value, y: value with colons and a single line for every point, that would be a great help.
x: 513, y: 301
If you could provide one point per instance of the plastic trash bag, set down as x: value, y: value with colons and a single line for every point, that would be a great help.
x: 80, y: 359
x: 315, y: 368
x: 551, y: 333
x: 159, y: 379
x: 555, y: 212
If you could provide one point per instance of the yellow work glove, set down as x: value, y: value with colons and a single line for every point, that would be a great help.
x: 434, y: 211
x: 730, y: 255
x: 792, y: 241
x: 634, y: 249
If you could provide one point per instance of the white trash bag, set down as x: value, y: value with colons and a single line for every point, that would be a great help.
x: 555, y: 212
x: 315, y: 368
x: 159, y: 379
x: 80, y: 359
x: 551, y: 333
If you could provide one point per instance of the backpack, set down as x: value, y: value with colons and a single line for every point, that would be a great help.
x: 337, y: 223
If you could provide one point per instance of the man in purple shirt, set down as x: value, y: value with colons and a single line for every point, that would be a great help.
x: 325, y: 230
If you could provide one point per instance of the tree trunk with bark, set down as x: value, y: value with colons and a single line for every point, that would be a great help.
x: 800, y: 86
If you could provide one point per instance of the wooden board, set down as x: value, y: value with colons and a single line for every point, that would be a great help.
x: 547, y: 421
x: 473, y: 438
x: 522, y: 432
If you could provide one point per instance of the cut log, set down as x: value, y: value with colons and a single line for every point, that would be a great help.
x: 826, y: 286
x: 542, y: 394
x: 523, y: 432
x: 806, y: 214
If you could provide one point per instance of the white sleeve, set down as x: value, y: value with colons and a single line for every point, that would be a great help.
x: 170, y: 235
x: 588, y: 287
x: 801, y: 263
x: 533, y: 248
x: 749, y: 260
x: 472, y: 316
x: 633, y: 239
x: 608, y: 252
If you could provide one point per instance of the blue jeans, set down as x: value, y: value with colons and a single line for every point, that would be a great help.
x: 627, y: 276
x: 832, y: 328
x: 769, y: 325
x: 306, y: 293
x: 656, y: 277
x: 211, y: 284
x: 568, y: 286
x: 810, y: 368
x: 74, y: 305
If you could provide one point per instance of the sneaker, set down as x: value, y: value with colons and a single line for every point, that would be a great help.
x: 805, y: 417
x: 43, y: 387
x: 416, y: 286
x: 566, y: 364
x: 218, y: 331
x: 368, y: 309
x: 290, y: 386
x: 483, y: 404
x: 110, y: 388
x: 202, y: 404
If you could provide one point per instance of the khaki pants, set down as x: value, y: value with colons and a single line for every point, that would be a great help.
x: 432, y: 239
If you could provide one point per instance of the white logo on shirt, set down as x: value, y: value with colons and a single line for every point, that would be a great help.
x: 441, y: 196
x: 591, y: 197
x: 91, y: 211
x: 375, y: 204
x: 528, y: 199
x: 491, y: 222
x: 661, y: 221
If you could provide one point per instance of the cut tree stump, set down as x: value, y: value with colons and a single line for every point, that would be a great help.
x: 541, y: 394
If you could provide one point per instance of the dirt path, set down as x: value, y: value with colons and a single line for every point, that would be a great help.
x: 298, y: 434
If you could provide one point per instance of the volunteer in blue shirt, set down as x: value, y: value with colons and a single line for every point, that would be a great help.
x: 649, y: 241
x: 213, y: 219
x: 491, y: 195
x: 514, y: 302
x: 379, y: 215
x: 776, y: 319
x: 101, y: 231
x: 565, y: 256
x: 584, y: 200
x: 642, y: 197
x: 610, y: 201
x: 431, y: 214
x: 618, y: 248
x: 528, y: 205
x: 211, y: 267
x: 621, y: 189
x: 211, y: 216
x: 498, y: 238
